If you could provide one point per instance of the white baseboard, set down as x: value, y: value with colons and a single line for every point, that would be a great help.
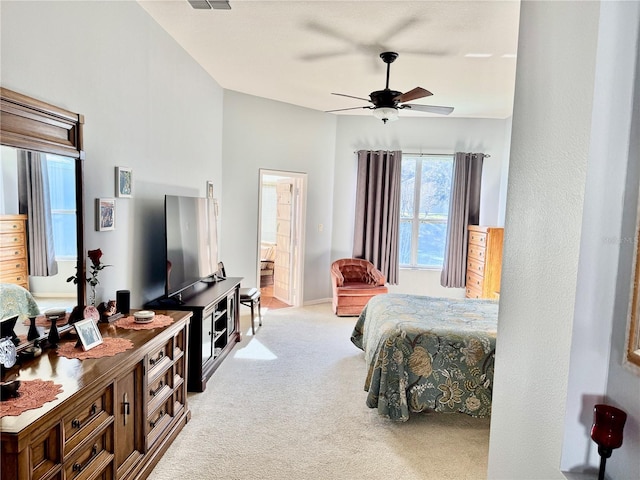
x: 317, y: 302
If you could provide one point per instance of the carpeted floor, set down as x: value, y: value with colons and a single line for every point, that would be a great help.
x: 289, y: 404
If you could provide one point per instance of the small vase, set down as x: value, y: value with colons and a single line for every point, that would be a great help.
x: 54, y: 337
x: 33, y: 330
x: 91, y: 295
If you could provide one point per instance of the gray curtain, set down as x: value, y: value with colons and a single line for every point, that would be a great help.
x: 464, y: 210
x: 34, y: 201
x: 378, y: 210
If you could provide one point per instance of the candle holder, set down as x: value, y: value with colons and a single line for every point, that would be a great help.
x: 608, y: 423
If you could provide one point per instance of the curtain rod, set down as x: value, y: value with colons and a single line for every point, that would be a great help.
x: 432, y: 154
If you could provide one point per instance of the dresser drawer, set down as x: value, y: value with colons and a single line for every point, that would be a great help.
x: 11, y: 253
x: 477, y: 238
x: 15, y: 278
x: 160, y: 389
x: 474, y: 281
x: 19, y: 264
x: 45, y: 454
x: 159, y: 361
x: 178, y: 370
x: 473, y: 293
x: 477, y: 252
x: 87, y: 419
x: 93, y: 460
x: 179, y: 344
x: 475, y: 266
x: 7, y: 226
x: 159, y: 420
x: 12, y: 239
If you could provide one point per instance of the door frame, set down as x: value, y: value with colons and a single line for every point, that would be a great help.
x: 299, y: 205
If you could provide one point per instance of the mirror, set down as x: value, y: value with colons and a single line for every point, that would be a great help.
x: 30, y: 127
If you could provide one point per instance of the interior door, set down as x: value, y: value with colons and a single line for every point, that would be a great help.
x: 284, y: 225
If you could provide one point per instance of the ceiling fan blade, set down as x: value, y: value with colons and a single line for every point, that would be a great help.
x: 329, y: 32
x: 343, y: 109
x: 323, y: 55
x: 429, y: 108
x: 414, y: 94
x: 351, y: 96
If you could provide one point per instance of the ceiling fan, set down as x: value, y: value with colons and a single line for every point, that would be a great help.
x: 387, y: 102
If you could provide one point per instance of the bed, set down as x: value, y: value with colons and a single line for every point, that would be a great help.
x: 16, y: 300
x: 427, y: 353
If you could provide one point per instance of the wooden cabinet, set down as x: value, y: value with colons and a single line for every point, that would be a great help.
x: 215, y: 327
x: 484, y: 262
x: 13, y: 250
x: 115, y: 417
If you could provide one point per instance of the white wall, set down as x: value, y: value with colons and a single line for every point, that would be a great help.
x: 147, y: 105
x: 606, y: 250
x: 415, y: 135
x: 261, y: 133
x: 566, y: 194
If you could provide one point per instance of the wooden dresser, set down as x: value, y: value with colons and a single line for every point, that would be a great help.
x: 115, y: 417
x: 484, y: 261
x: 13, y: 250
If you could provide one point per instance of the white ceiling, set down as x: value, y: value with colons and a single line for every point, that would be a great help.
x: 299, y: 52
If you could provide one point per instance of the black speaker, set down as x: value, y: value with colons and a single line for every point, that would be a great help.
x: 123, y: 299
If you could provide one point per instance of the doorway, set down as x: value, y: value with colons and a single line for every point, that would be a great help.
x: 281, y: 226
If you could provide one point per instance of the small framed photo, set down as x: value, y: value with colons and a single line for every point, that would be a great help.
x: 88, y: 333
x: 124, y: 182
x: 105, y: 214
x: 209, y: 189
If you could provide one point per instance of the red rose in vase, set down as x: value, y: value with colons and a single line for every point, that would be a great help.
x: 94, y: 256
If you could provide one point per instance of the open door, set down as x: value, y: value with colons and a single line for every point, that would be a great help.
x: 281, y: 228
x: 282, y: 281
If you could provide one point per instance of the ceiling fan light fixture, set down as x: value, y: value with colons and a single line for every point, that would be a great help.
x: 386, y: 114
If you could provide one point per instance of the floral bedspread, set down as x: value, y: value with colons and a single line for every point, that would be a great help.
x: 15, y: 300
x: 428, y: 353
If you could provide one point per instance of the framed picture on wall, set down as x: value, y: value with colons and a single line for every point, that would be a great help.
x: 124, y: 182
x: 105, y: 214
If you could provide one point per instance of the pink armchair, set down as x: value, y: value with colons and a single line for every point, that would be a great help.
x: 354, y: 282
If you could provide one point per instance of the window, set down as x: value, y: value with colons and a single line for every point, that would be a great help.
x: 62, y: 195
x: 424, y: 210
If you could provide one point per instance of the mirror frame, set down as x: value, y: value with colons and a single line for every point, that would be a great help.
x: 31, y: 124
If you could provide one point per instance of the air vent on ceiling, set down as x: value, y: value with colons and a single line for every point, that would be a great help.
x: 209, y: 4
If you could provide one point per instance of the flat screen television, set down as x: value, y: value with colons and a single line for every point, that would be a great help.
x: 191, y: 242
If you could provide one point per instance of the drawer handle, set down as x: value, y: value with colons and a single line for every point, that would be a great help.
x: 155, y: 422
x: 78, y: 467
x: 75, y: 423
x: 153, y: 361
x: 153, y: 393
x: 125, y: 407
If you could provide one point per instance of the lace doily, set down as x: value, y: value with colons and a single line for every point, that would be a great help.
x: 33, y: 394
x: 108, y: 348
x: 131, y: 324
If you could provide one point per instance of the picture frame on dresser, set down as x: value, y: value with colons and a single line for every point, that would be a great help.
x: 88, y: 333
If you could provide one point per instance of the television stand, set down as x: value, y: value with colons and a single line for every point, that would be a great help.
x: 215, y: 326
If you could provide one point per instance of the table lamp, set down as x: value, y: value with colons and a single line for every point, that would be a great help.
x: 606, y: 431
